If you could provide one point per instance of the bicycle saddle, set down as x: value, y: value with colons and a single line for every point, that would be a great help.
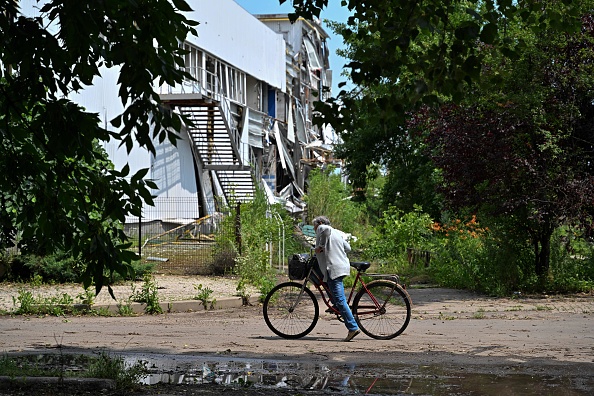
x: 360, y: 265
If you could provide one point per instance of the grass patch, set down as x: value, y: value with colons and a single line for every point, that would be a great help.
x: 480, y: 314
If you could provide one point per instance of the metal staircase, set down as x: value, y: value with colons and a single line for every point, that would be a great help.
x: 217, y: 145
x: 215, y: 137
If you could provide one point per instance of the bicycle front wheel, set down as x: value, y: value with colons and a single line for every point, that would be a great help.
x: 290, y: 310
x: 382, y: 311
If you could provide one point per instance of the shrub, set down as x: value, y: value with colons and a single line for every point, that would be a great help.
x: 327, y: 195
x: 396, y: 232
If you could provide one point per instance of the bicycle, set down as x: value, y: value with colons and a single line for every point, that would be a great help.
x: 382, y: 307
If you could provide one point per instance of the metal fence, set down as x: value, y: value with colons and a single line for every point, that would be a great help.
x: 171, y: 235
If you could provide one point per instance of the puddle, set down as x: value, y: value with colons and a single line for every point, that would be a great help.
x: 371, y: 379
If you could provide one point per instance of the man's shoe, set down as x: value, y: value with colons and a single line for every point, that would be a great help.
x: 352, y: 334
x: 332, y: 311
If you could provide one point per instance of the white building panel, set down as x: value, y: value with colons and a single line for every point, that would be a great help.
x: 232, y: 34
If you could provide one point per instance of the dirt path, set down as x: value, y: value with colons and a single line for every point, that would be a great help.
x: 447, y: 326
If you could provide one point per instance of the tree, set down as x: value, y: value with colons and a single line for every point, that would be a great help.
x: 523, y: 147
x: 59, y: 190
x: 409, y: 57
x: 406, y: 54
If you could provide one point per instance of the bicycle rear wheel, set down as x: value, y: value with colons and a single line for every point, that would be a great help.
x: 289, y: 311
x: 384, y: 312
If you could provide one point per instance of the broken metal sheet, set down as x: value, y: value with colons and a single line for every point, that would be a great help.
x: 285, y: 158
x: 312, y: 54
x: 255, y: 128
x: 279, y: 143
x: 298, y: 189
x: 319, y: 145
x: 287, y: 191
x: 290, y: 126
x: 269, y: 194
x: 300, y: 124
x: 292, y: 208
x: 329, y: 135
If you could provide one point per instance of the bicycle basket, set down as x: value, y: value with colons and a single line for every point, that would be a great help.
x: 298, y: 266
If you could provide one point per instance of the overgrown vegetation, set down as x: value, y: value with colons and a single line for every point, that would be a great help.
x: 263, y: 228
x: 114, y: 367
x: 467, y: 254
x: 104, y: 365
x: 57, y: 267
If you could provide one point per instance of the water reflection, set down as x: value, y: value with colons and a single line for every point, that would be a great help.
x: 372, y: 379
x: 392, y: 379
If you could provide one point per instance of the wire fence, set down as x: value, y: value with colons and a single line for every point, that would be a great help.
x: 173, y: 236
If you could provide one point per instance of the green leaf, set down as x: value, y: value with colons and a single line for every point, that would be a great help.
x: 182, y: 5
x: 489, y: 33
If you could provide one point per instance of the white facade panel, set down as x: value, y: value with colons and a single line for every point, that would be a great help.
x: 235, y: 36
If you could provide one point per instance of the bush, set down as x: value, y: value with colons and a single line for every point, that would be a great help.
x: 327, y: 195
x: 54, y: 268
x: 396, y: 232
x: 57, y: 268
x: 259, y: 230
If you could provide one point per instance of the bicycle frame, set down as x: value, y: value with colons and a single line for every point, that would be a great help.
x: 381, y: 307
x: 324, y: 291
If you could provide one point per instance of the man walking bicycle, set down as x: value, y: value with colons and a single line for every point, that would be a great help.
x: 331, y: 251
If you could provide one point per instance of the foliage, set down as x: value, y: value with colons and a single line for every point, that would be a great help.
x: 59, y: 267
x: 396, y: 232
x: 519, y: 75
x: 204, y: 294
x: 329, y: 196
x: 148, y: 295
x: 114, y: 367
x: 259, y: 232
x: 521, y: 148
x: 59, y: 192
x: 423, y: 51
x: 28, y: 304
x: 486, y: 257
x: 495, y: 261
x: 572, y: 261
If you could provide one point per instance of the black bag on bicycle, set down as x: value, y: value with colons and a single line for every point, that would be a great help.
x: 298, y: 266
x: 316, y: 276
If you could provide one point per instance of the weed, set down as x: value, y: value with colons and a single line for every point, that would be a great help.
x: 148, y: 295
x: 25, y: 302
x: 103, y: 311
x: 87, y: 297
x: 125, y: 308
x: 446, y: 317
x: 203, y: 295
x: 480, y: 314
x: 114, y: 367
x: 242, y: 291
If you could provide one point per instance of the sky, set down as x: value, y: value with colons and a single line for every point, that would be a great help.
x: 333, y: 12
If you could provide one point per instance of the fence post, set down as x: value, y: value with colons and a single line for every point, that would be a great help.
x: 238, y: 227
x: 140, y: 234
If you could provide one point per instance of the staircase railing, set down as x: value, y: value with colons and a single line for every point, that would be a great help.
x: 207, y: 84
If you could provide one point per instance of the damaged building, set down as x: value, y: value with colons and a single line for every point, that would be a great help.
x: 251, y: 106
x: 256, y: 79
